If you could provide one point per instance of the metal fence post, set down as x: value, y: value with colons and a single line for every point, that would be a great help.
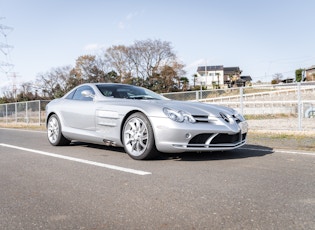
x: 200, y: 91
x: 299, y: 106
x: 241, y: 100
x: 6, y: 113
x: 39, y: 109
x: 15, y: 112
x: 26, y: 112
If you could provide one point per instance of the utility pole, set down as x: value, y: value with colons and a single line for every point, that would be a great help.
x: 5, y: 48
x: 6, y: 65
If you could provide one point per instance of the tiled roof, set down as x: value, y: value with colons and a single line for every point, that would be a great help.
x: 231, y: 70
x: 210, y: 68
x: 246, y: 78
x: 310, y: 68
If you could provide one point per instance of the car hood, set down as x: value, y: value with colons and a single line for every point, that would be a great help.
x: 155, y: 107
x: 198, y: 108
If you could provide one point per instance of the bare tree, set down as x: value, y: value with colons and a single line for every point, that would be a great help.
x: 118, y: 58
x: 146, y: 63
x: 149, y: 63
x: 26, y: 92
x: 277, y: 78
x: 152, y: 56
x: 8, y: 95
x: 53, y: 83
x: 88, y: 69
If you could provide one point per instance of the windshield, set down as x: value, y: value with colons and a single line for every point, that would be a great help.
x: 128, y: 92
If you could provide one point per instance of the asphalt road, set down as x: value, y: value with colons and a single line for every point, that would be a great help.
x: 96, y: 187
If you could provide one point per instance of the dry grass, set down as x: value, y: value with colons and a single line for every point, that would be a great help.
x: 282, y: 134
x: 23, y: 126
x: 269, y: 116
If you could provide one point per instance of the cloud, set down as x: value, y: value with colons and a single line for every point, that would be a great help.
x: 130, y: 16
x: 127, y: 20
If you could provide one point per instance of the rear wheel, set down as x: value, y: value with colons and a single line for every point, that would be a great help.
x: 54, y: 133
x: 138, y: 137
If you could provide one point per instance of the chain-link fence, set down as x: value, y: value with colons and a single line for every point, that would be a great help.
x: 29, y: 112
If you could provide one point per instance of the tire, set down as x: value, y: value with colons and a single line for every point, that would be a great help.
x: 138, y: 137
x: 54, y: 133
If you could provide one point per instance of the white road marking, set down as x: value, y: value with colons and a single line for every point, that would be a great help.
x: 128, y: 170
x: 295, y: 152
x: 281, y: 151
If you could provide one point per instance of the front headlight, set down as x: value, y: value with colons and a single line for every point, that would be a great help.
x: 178, y: 116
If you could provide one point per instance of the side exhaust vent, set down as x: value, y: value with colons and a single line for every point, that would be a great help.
x: 109, y: 143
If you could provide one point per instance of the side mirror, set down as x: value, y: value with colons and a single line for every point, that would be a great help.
x: 87, y: 93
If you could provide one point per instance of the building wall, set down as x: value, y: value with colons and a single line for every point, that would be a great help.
x: 310, y: 74
x: 210, y: 77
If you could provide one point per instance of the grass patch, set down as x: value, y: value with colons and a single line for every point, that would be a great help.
x: 269, y: 116
x: 24, y: 126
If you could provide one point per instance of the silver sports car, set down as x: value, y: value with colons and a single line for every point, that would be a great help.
x: 141, y: 121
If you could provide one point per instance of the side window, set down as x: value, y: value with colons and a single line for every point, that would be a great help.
x: 70, y: 96
x: 78, y: 94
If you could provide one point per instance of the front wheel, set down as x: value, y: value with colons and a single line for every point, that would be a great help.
x: 54, y: 133
x: 138, y: 137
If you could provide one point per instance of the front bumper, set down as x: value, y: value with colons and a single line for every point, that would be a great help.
x: 176, y: 137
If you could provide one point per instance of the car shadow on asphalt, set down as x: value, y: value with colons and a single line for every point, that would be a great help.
x: 247, y: 151
x: 96, y: 146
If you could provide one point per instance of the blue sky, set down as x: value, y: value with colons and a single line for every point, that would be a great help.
x: 261, y: 37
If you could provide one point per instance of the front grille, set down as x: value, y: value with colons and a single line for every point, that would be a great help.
x: 219, y: 139
x: 236, y: 119
x: 201, y: 118
x: 205, y: 118
x: 200, y: 139
x: 226, y: 138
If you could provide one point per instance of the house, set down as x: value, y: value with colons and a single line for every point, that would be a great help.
x: 218, y: 76
x: 310, y: 73
x: 232, y: 76
x: 288, y: 80
x: 210, y: 76
x: 243, y: 81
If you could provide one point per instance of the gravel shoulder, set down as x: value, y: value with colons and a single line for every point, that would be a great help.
x: 282, y: 140
x: 282, y: 134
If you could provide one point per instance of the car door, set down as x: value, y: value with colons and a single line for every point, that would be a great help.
x: 79, y: 111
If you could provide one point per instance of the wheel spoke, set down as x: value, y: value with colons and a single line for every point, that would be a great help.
x: 130, y: 141
x: 142, y: 144
x: 137, y: 124
x: 138, y: 146
x: 134, y: 146
x: 143, y: 129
